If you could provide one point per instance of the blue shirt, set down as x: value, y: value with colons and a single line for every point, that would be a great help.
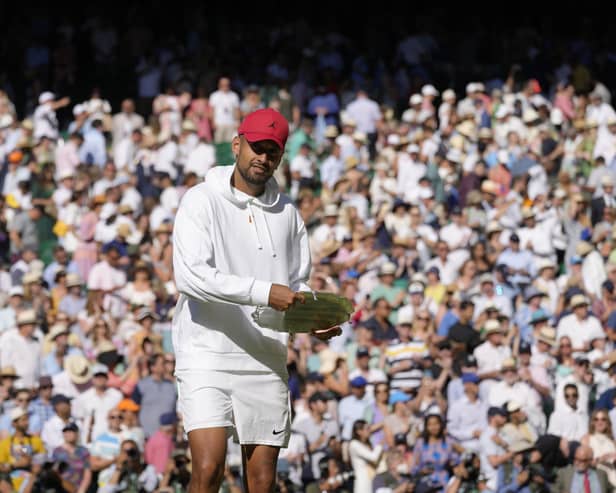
x: 447, y: 322
x: 43, y: 410
x: 50, y: 271
x: 50, y: 365
x: 94, y: 149
x: 522, y: 259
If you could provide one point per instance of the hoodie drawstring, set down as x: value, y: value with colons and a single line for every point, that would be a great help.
x: 253, y: 220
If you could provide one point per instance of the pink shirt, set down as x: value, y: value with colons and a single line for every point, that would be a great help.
x: 158, y: 450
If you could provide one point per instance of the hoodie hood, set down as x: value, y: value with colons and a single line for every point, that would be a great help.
x: 220, y: 177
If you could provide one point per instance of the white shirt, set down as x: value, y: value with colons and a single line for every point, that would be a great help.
x: 302, y: 165
x: 201, y: 159
x: 23, y: 354
x: 568, y: 423
x: 365, y: 112
x: 582, y: 388
x: 225, y: 105
x: 92, y: 405
x: 490, y: 358
x: 579, y: 331
x: 52, y: 433
x: 501, y: 392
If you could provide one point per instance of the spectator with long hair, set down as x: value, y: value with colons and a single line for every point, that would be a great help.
x: 364, y: 457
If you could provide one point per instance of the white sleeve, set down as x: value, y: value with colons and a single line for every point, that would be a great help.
x: 301, y: 261
x: 196, y: 275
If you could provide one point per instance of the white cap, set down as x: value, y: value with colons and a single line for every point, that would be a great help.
x: 429, y: 90
x: 46, y: 96
x: 415, y: 99
x: 78, y: 109
x: 360, y: 137
x: 16, y: 291
x: 448, y: 94
x: 426, y: 193
x: 412, y: 148
x: 6, y: 120
x: 502, y: 111
x: 393, y: 139
x: 330, y: 210
x: 502, y: 156
x: 18, y: 412
x: 454, y: 156
x: 471, y: 88
x: 416, y: 287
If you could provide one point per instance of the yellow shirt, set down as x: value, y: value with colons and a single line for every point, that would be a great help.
x: 12, y: 447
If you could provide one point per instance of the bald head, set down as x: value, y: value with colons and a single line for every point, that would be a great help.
x: 583, y: 458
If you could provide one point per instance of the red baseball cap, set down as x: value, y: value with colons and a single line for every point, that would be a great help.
x: 265, y: 124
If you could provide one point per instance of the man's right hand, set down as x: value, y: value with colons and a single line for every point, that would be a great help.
x: 281, y: 298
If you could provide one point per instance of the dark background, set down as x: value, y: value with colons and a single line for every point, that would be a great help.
x: 473, y: 42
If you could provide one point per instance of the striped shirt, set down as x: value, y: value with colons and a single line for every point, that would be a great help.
x: 413, y: 351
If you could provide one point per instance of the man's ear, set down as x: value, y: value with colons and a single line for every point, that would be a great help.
x: 235, y: 146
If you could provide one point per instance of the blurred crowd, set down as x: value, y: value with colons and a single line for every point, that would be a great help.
x: 472, y: 229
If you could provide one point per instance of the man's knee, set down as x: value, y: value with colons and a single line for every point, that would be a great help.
x: 208, y: 473
x: 262, y: 480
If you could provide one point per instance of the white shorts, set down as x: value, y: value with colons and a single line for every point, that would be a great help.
x: 253, y: 406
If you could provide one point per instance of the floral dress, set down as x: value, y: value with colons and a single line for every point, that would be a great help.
x: 440, y: 457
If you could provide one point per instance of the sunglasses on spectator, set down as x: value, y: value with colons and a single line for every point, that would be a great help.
x: 598, y: 418
x: 116, y: 416
x: 571, y: 396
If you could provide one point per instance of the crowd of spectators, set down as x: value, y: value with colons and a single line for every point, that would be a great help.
x: 472, y: 227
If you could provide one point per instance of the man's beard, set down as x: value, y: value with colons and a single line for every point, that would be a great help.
x: 252, y: 179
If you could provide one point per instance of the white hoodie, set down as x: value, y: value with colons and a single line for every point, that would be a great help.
x: 228, y: 249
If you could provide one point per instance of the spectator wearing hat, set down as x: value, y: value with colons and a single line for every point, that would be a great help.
x: 400, y: 420
x: 145, y: 318
x: 44, y: 118
x: 512, y: 387
x: 435, y: 290
x: 77, y: 457
x: 353, y: 406
x: 569, y: 420
x: 363, y: 369
x: 383, y: 187
x: 580, y: 325
x: 466, y: 417
x: 18, y: 450
x: 318, y: 429
x: 493, y: 446
x: 92, y: 406
x: 488, y: 296
x: 52, y: 429
x: 74, y: 301
x: 492, y: 352
x: 518, y: 426
x: 21, y: 349
x: 546, y: 283
x: 329, y: 229
x: 302, y: 168
x: 416, y: 299
x: 53, y: 362
x: 160, y: 445
x: 21, y: 399
x: 603, y: 196
x: 8, y: 314
x: 131, y: 428
x: 403, y: 358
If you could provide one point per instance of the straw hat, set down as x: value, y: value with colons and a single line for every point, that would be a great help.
x: 78, y: 368
x: 73, y: 280
x: 579, y: 300
x: 492, y: 326
x: 547, y: 335
x: 8, y: 372
x: 329, y: 247
x: 26, y: 317
x: 56, y: 330
x: 583, y: 248
x: 329, y: 359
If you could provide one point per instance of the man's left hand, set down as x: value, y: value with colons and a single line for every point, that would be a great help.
x: 326, y: 334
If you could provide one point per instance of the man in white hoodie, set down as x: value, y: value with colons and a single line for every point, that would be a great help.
x: 238, y: 244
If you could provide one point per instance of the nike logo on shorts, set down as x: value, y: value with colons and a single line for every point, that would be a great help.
x: 274, y: 432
